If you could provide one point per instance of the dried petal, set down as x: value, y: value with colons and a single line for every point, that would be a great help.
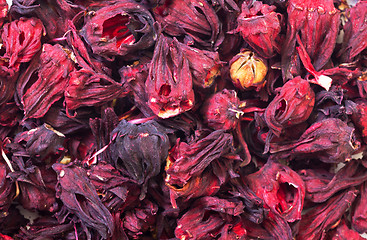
x: 119, y: 29
x: 80, y: 198
x: 330, y: 140
x: 221, y: 111
x: 359, y: 212
x: 196, y: 18
x: 22, y: 40
x: 281, y: 188
x: 205, y: 66
x: 53, y: 73
x: 320, y: 187
x: 355, y: 32
x: 169, y: 83
x: 90, y: 88
x: 259, y: 26
x: 186, y: 160
x: 139, y: 150
x: 317, y: 23
x: 292, y: 105
x: 321, y: 218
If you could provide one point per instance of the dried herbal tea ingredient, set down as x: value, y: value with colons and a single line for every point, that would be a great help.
x: 260, y: 27
x: 119, y: 28
x: 195, y: 19
x: 222, y: 110
x: 292, y: 105
x: 171, y: 119
x: 330, y: 140
x: 248, y: 71
x: 317, y: 23
x: 169, y: 82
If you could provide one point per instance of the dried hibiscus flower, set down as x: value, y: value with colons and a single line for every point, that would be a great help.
x: 355, y: 32
x: 359, y: 212
x: 320, y: 186
x: 80, y: 197
x: 22, y: 40
x: 317, y: 23
x: 169, y: 83
x: 321, y: 218
x: 206, y: 217
x: 89, y: 88
x: 260, y: 27
x: 53, y: 68
x: 120, y: 28
x: 139, y: 150
x: 186, y: 160
x: 141, y: 219
x: 195, y: 18
x: 222, y: 110
x: 281, y: 188
x: 292, y: 105
x: 330, y: 140
x: 37, y: 188
x: 205, y: 66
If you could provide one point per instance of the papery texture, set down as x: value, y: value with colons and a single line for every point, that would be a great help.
x: 205, y: 66
x: 281, y: 188
x: 222, y: 110
x: 359, y: 219
x: 320, y: 187
x: 53, y: 73
x: 194, y: 18
x: 139, y: 150
x: 321, y: 218
x: 88, y: 88
x: 292, y: 105
x: 119, y: 28
x: 260, y: 27
x: 330, y: 140
x: 355, y: 32
x: 22, y: 40
x: 169, y: 83
x: 80, y: 198
x: 317, y: 23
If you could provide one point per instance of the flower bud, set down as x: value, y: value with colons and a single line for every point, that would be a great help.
x: 221, y: 110
x: 247, y: 70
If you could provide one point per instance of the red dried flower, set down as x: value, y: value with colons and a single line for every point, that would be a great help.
x: 321, y: 185
x: 186, y: 160
x: 292, y: 105
x: 222, y: 110
x: 343, y: 232
x: 205, y: 66
x: 317, y: 23
x: 89, y: 88
x: 139, y: 150
x: 330, y: 140
x: 80, y: 198
x: 119, y: 29
x: 205, y: 218
x: 281, y: 188
x: 195, y: 18
x: 260, y: 27
x: 22, y: 40
x: 316, y: 222
x: 359, y: 212
x: 169, y: 83
x: 53, y: 66
x: 355, y: 32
